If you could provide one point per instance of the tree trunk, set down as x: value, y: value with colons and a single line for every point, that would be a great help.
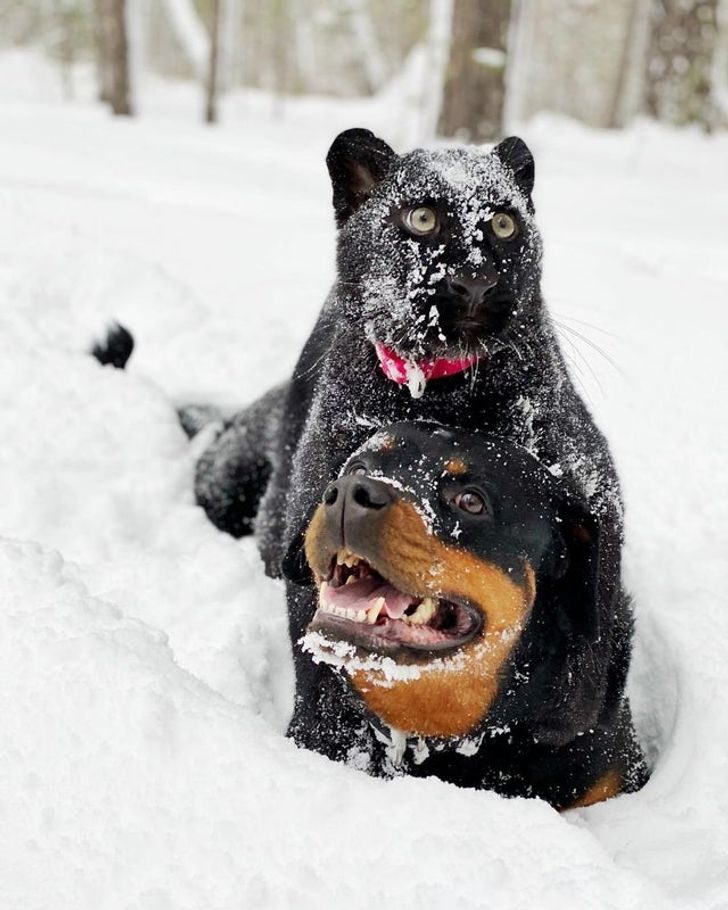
x: 720, y: 69
x: 103, y: 64
x: 365, y: 38
x: 474, y: 93
x: 213, y: 73
x: 113, y: 54
x: 629, y: 83
x: 190, y: 32
x: 679, y: 71
x: 437, y: 45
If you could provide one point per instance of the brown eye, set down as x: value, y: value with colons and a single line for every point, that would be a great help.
x: 504, y: 226
x: 422, y: 220
x: 471, y: 501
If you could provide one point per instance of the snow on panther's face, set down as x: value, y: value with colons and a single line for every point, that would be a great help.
x: 439, y: 257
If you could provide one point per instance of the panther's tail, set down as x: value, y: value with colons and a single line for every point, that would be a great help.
x: 116, y: 348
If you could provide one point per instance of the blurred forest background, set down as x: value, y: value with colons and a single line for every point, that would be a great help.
x: 478, y: 64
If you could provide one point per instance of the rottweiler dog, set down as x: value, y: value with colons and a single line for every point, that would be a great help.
x: 436, y: 314
x: 454, y: 576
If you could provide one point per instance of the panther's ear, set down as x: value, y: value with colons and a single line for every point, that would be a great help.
x: 516, y: 155
x: 357, y: 161
x: 294, y: 565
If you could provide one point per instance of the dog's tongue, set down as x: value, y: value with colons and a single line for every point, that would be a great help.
x: 416, y: 374
x: 361, y: 595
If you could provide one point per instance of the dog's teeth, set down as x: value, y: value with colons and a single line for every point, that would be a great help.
x: 374, y: 611
x: 340, y: 558
x: 361, y: 615
x: 322, y: 591
x: 351, y: 580
x: 424, y: 612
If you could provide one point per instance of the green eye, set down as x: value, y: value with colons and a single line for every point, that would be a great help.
x: 504, y: 226
x: 422, y: 220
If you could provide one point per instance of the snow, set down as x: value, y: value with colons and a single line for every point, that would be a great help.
x: 144, y: 665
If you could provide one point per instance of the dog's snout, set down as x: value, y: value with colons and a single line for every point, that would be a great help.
x: 331, y: 494
x: 357, y: 493
x: 366, y: 493
x: 471, y: 291
x: 354, y: 507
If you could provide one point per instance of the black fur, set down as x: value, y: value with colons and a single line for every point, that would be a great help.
x: 533, y: 741
x: 116, y: 348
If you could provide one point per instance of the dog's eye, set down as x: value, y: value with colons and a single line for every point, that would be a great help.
x: 504, y: 226
x: 422, y: 220
x: 472, y: 502
x: 357, y: 468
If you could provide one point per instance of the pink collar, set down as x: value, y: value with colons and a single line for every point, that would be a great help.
x: 400, y: 370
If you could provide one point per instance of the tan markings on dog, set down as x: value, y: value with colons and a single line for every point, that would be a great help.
x: 451, y: 700
x: 314, y: 542
x: 607, y: 786
x: 386, y: 443
x: 456, y: 466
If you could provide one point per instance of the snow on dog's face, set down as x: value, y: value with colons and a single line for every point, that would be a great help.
x: 428, y: 553
x: 438, y: 253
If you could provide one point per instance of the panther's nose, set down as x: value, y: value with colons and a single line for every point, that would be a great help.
x: 471, y: 291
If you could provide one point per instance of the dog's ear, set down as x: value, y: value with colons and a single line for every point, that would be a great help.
x: 576, y: 573
x: 357, y: 161
x: 572, y: 648
x: 516, y: 155
x: 294, y: 565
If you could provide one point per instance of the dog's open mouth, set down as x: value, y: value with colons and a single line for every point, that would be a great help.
x: 358, y: 605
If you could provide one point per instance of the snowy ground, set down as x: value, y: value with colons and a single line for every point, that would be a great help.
x: 145, y: 675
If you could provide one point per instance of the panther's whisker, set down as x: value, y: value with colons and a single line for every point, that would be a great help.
x: 475, y: 368
x: 590, y: 325
x: 516, y: 350
x: 579, y: 374
x: 610, y: 360
x: 318, y: 360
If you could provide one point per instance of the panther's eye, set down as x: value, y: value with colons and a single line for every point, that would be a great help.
x: 422, y: 220
x: 504, y: 226
x: 473, y: 502
x: 357, y: 468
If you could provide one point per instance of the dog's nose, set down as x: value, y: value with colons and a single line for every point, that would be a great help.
x: 355, y: 493
x: 354, y: 507
x: 471, y: 291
